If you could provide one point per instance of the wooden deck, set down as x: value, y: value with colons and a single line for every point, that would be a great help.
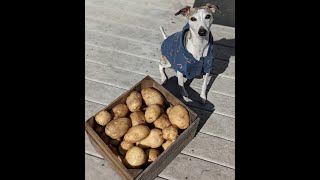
x: 123, y: 46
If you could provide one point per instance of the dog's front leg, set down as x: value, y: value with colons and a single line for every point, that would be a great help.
x: 162, y: 74
x: 204, y: 88
x: 181, y: 84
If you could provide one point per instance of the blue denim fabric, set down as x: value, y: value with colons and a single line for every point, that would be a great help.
x: 173, y: 48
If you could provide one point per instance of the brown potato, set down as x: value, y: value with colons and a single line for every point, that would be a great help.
x: 103, y: 117
x: 162, y: 122
x: 115, y: 142
x: 170, y: 133
x: 166, y: 144
x: 168, y: 109
x: 152, y: 113
x: 120, y: 110
x: 105, y: 138
x: 152, y: 154
x: 179, y: 116
x: 99, y: 129
x: 153, y: 140
x: 118, y: 127
x: 124, y: 147
x: 135, y: 157
x: 138, y: 118
x: 134, y: 101
x: 136, y: 133
x: 152, y: 96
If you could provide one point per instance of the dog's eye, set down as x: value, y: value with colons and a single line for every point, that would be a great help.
x: 208, y: 16
x: 193, y: 19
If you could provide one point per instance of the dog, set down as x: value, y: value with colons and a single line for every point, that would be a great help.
x: 190, y: 51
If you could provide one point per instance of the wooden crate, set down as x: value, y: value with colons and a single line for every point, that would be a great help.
x: 155, y: 168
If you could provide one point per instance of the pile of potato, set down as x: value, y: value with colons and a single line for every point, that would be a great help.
x: 139, y: 130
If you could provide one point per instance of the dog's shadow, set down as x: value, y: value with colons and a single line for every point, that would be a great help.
x: 223, y: 50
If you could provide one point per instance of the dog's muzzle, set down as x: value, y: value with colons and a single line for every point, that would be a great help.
x: 202, y: 31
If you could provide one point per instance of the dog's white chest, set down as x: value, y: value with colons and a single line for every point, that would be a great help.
x: 197, y: 51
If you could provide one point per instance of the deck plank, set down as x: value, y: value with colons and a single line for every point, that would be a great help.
x: 98, y: 169
x: 123, y: 79
x: 133, y: 8
x: 153, y: 34
x: 212, y: 149
x: 163, y: 4
x: 181, y: 167
x: 148, y: 12
x: 216, y: 124
x: 222, y: 84
x: 141, y: 47
x: 105, y: 15
x: 105, y: 56
x: 195, y: 169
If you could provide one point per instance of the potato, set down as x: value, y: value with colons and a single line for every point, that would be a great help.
x: 152, y: 154
x: 105, y: 138
x: 120, y: 110
x: 135, y: 157
x: 166, y: 144
x: 168, y: 109
x: 152, y: 113
x: 152, y: 96
x: 179, y: 116
x: 170, y: 133
x: 118, y: 127
x: 153, y: 140
x: 134, y: 101
x: 138, y: 118
x: 99, y: 129
x: 124, y: 147
x: 136, y: 133
x: 103, y: 117
x: 162, y: 122
x: 115, y: 142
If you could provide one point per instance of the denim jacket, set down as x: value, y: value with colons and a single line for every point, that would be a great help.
x: 174, y: 49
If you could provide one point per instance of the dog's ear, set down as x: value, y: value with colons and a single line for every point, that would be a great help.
x: 184, y: 11
x: 213, y: 7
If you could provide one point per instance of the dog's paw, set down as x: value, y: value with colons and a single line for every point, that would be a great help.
x: 203, y: 99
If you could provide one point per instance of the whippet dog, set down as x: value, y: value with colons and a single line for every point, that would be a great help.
x: 190, y: 51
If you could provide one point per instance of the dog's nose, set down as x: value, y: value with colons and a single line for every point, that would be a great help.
x: 202, y: 32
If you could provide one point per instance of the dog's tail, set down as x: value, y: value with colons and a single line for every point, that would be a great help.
x: 163, y: 34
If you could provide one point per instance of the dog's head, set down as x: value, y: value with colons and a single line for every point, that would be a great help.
x: 200, y: 19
